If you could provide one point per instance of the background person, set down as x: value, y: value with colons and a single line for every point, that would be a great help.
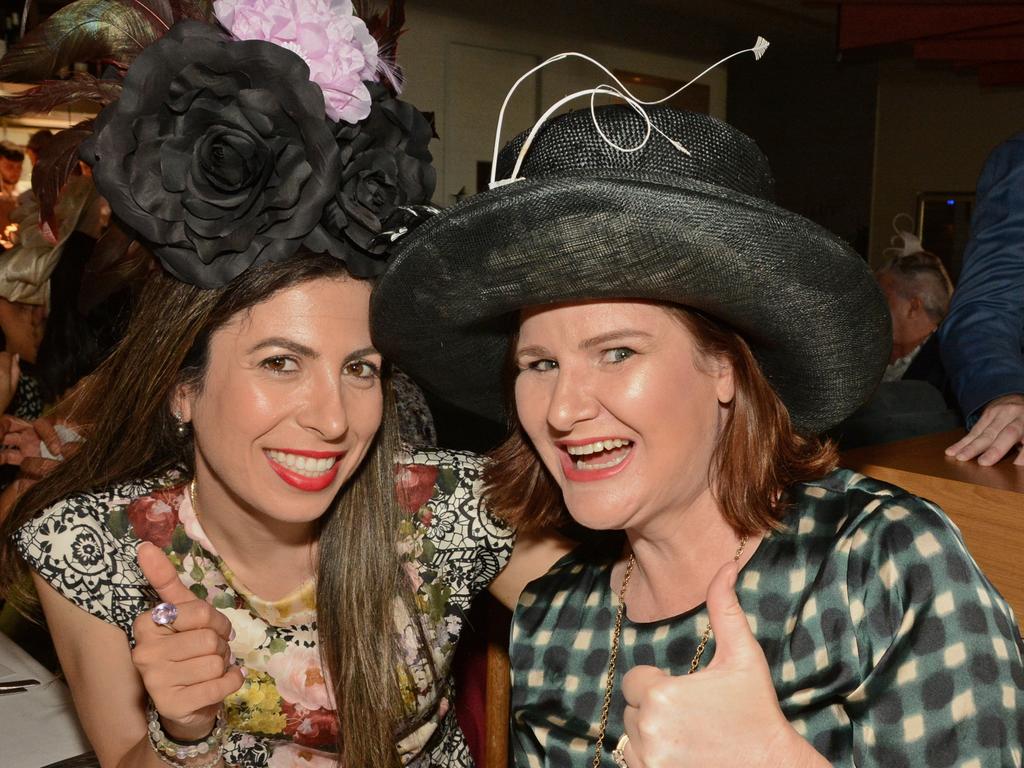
x: 983, y: 336
x: 22, y: 325
x: 917, y: 289
x: 914, y: 397
x: 12, y: 160
x: 37, y: 144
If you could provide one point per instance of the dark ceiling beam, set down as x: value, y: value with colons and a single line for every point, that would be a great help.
x: 980, y: 50
x: 865, y: 25
x: 1001, y: 74
x: 992, y: 33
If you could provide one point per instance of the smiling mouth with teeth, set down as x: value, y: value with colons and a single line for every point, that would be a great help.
x: 600, y: 454
x: 307, y: 466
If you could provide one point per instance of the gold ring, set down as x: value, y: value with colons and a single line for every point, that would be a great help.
x: 618, y: 754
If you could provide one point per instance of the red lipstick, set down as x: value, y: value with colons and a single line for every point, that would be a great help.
x: 302, y: 482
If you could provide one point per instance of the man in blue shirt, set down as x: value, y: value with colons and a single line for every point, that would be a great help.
x: 982, y: 337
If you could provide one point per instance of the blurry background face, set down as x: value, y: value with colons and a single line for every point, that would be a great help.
x: 621, y: 408
x: 898, y: 304
x: 10, y: 170
x: 911, y: 324
x: 23, y: 326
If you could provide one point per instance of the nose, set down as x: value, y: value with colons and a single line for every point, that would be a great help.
x: 572, y: 400
x: 323, y: 410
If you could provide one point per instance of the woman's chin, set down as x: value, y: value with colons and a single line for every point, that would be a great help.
x: 600, y: 517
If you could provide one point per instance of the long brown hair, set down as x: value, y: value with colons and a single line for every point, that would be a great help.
x: 125, y: 411
x: 758, y: 455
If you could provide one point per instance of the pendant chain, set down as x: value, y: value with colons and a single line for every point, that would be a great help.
x: 192, y: 498
x: 609, y: 684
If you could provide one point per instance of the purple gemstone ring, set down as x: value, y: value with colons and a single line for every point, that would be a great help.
x: 164, y: 614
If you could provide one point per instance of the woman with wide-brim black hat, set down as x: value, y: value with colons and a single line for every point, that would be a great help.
x: 674, y: 342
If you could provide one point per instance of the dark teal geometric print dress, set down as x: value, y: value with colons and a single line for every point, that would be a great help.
x: 887, y: 645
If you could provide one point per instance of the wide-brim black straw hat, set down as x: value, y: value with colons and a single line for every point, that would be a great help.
x: 589, y: 221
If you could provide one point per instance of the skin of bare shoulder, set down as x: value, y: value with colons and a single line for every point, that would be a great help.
x: 97, y: 663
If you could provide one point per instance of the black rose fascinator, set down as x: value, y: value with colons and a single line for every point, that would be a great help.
x: 385, y: 168
x: 223, y: 141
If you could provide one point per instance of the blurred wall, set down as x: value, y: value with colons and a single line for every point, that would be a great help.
x: 814, y: 117
x: 934, y: 131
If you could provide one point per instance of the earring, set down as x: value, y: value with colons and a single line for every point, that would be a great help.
x: 181, y: 429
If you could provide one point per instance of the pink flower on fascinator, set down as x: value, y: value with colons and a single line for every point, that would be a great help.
x: 336, y: 45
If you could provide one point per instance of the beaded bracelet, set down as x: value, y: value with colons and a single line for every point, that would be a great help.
x: 179, y: 754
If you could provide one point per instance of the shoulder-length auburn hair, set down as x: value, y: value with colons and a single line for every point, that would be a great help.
x: 125, y: 411
x: 758, y: 456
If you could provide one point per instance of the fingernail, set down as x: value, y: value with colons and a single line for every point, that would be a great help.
x: 232, y: 635
x: 244, y: 671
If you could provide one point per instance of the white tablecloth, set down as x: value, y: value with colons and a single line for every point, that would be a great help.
x: 39, y: 726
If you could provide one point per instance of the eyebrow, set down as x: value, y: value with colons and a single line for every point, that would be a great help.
x: 604, y: 338
x: 594, y: 341
x: 302, y: 349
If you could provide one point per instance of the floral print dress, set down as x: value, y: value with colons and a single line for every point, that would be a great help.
x: 283, y: 717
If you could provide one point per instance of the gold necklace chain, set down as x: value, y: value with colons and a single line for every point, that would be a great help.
x: 609, y: 684
x: 192, y: 497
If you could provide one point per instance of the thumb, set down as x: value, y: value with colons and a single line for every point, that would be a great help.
x: 734, y: 642
x: 46, y: 431
x: 161, y: 574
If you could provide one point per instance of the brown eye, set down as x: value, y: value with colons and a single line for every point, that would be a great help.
x: 280, y: 364
x: 362, y: 369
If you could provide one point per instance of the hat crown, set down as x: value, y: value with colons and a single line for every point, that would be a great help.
x: 719, y: 154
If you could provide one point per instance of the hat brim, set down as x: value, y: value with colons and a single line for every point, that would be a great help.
x: 804, y: 301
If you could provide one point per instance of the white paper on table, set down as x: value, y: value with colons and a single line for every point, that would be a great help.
x: 37, y: 726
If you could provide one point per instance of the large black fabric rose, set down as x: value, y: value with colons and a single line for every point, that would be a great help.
x: 386, y: 164
x: 218, y: 153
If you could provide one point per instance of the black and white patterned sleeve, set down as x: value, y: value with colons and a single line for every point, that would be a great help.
x: 28, y: 399
x: 88, y: 555
x: 940, y: 648
x: 470, y: 545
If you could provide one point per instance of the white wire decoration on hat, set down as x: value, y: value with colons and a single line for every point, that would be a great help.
x: 622, y: 92
x: 904, y: 242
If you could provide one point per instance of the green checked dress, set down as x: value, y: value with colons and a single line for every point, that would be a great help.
x: 887, y: 645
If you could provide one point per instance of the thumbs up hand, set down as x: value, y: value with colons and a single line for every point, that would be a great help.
x: 186, y: 667
x: 724, y: 715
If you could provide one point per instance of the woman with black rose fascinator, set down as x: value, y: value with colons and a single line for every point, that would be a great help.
x: 239, y: 566
x: 667, y: 344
